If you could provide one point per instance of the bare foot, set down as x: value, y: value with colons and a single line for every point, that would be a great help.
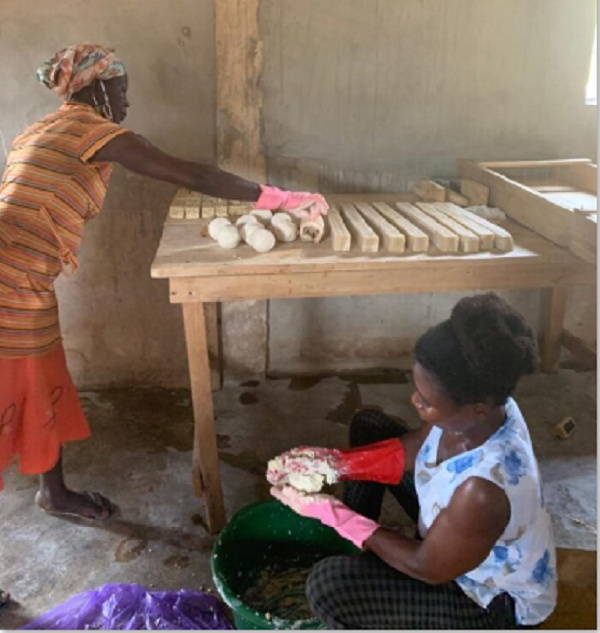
x: 86, y: 505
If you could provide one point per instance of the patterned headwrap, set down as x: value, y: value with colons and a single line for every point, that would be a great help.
x: 77, y: 66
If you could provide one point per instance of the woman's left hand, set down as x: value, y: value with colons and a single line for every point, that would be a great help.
x: 330, y: 511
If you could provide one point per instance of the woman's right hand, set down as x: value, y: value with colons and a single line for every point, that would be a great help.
x: 304, y: 461
x: 299, y: 203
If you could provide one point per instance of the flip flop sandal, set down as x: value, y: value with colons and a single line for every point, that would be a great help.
x: 95, y: 497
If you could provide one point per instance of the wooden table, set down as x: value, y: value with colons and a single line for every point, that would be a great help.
x: 201, y: 275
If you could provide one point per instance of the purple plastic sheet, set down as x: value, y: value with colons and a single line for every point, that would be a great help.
x: 132, y: 607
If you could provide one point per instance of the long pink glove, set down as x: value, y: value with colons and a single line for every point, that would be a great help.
x: 301, y: 204
x: 382, y: 462
x: 327, y: 509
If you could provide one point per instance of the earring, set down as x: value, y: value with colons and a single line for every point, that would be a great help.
x: 106, y: 109
x: 97, y: 106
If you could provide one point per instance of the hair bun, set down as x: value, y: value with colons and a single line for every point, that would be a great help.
x: 491, y: 333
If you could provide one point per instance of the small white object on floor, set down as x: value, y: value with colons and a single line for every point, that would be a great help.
x: 488, y: 213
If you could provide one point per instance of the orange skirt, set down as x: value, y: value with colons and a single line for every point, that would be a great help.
x: 39, y: 411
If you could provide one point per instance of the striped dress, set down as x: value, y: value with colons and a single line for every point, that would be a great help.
x: 48, y: 190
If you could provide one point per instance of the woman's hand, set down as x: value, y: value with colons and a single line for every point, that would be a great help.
x: 308, y: 468
x: 330, y: 511
x: 299, y: 203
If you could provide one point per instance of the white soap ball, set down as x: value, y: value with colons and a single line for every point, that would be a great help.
x: 215, y: 226
x: 262, y: 240
x: 229, y: 237
x: 285, y: 231
x: 246, y: 230
x: 281, y: 218
x: 247, y: 219
x: 264, y: 216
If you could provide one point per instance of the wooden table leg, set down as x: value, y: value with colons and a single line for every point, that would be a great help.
x: 205, y: 467
x: 211, y: 314
x: 555, y: 315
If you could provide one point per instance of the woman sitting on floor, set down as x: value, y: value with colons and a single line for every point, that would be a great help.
x: 483, y: 556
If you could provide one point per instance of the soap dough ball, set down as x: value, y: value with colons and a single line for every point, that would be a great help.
x: 215, y: 226
x: 229, y: 237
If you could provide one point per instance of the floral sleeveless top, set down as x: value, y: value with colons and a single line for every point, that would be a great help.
x: 523, y: 561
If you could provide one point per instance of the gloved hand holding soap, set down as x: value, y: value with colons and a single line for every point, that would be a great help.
x: 330, y: 511
x: 299, y: 203
x: 308, y: 468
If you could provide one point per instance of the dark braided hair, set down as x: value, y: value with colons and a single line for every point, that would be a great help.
x: 480, y: 352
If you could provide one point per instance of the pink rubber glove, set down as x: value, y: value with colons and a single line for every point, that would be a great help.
x: 382, y: 462
x: 301, y: 204
x: 330, y: 511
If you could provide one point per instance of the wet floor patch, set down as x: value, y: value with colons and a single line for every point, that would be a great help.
x: 250, y: 383
x: 391, y: 377
x: 223, y: 441
x: 248, y: 398
x: 199, y: 520
x: 178, y: 562
x: 246, y: 461
x: 129, y: 549
x: 303, y: 383
x: 343, y: 413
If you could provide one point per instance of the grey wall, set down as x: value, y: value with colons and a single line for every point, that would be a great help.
x: 358, y: 95
x: 372, y: 96
x: 117, y: 323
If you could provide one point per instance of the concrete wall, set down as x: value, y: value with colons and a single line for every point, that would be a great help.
x: 357, y: 96
x: 372, y: 96
x: 117, y: 323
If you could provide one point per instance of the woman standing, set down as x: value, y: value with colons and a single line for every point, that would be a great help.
x: 56, y: 177
x: 483, y: 556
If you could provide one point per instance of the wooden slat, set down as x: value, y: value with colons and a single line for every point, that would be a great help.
x: 582, y: 175
x: 469, y: 242
x: 584, y: 237
x: 393, y: 241
x: 503, y: 240
x: 366, y: 238
x: 534, y: 164
x: 211, y: 315
x: 476, y: 193
x: 521, y: 203
x: 238, y: 94
x: 205, y: 464
x: 457, y: 198
x: 459, y: 273
x: 444, y: 239
x: 340, y: 235
x: 418, y: 240
x: 556, y: 299
x: 430, y: 191
x: 486, y: 236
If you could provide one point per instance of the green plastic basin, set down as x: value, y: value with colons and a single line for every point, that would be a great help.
x: 250, y: 535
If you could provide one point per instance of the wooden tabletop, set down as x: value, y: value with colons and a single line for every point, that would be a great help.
x: 184, y: 256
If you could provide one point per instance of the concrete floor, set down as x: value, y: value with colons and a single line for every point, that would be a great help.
x: 140, y: 456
